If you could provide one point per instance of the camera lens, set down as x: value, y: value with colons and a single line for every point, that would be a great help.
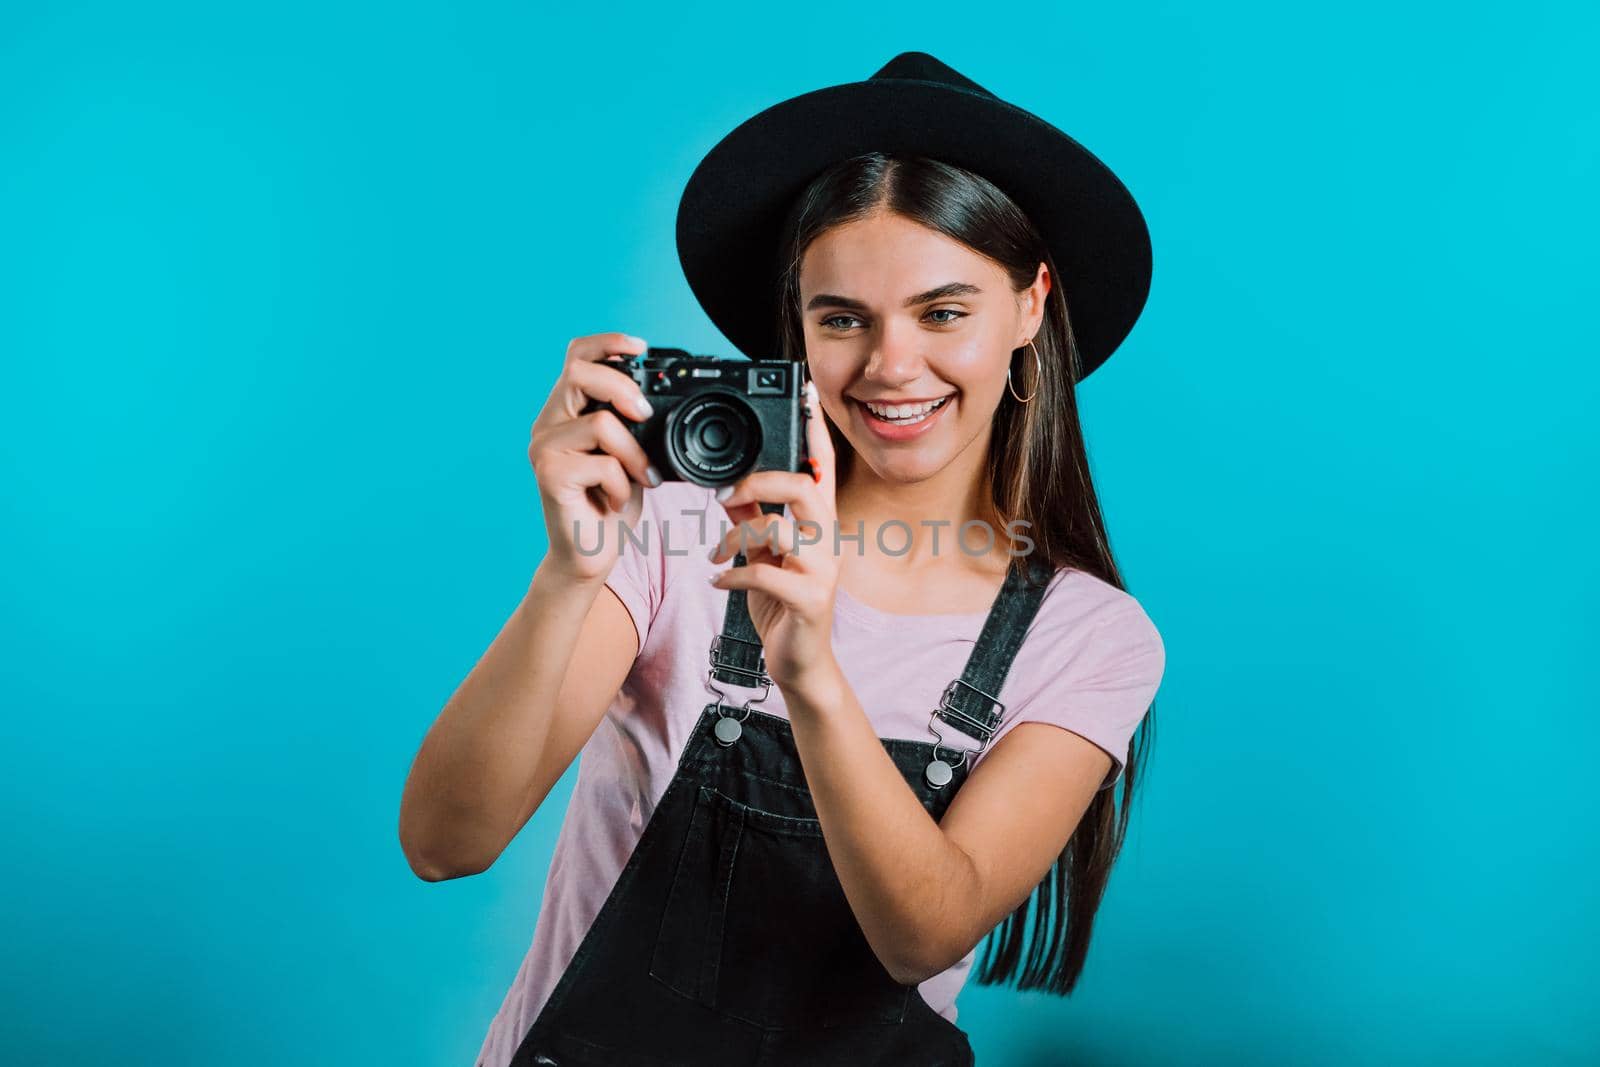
x: 713, y: 438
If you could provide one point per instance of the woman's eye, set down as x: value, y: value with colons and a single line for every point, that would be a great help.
x: 843, y: 322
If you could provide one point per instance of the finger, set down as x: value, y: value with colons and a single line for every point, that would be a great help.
x: 737, y: 513
x: 819, y: 444
x: 797, y: 542
x: 793, y: 589
x: 723, y: 545
x: 799, y: 491
x: 602, y: 383
x: 600, y: 345
x: 585, y: 472
x: 745, y: 512
x: 603, y: 430
x: 767, y: 536
x: 757, y: 533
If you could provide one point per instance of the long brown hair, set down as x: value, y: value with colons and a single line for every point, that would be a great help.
x: 1038, y: 471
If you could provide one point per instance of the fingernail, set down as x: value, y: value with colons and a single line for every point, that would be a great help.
x: 642, y: 406
x: 712, y: 555
x: 638, y: 341
x: 652, y: 476
x: 724, y: 493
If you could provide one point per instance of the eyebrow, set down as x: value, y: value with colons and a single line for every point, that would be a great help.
x: 939, y: 292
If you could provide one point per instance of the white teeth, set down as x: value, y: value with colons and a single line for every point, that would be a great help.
x: 905, y: 412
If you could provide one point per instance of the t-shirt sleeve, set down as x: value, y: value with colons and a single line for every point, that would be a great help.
x: 1095, y: 677
x: 639, y: 575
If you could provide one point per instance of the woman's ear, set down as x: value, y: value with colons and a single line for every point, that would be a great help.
x: 1031, y: 304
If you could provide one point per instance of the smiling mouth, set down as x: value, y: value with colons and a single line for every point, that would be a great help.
x: 904, y: 414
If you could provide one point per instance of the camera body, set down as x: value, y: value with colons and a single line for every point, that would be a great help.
x: 716, y: 420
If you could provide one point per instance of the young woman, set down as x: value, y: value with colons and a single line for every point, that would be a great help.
x: 925, y: 676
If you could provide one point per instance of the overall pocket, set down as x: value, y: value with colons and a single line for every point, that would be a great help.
x: 757, y: 926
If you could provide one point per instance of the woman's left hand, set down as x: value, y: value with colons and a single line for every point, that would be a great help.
x: 792, y: 567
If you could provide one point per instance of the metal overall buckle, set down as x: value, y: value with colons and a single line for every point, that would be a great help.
x: 728, y: 727
x: 939, y: 771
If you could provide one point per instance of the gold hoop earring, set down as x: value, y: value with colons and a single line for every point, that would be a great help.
x: 1038, y: 376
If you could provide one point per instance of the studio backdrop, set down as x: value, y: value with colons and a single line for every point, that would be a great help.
x: 282, y: 288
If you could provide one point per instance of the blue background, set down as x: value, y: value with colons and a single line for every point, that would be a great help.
x: 282, y: 287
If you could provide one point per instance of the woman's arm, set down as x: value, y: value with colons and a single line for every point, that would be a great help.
x: 512, y: 728
x: 926, y: 892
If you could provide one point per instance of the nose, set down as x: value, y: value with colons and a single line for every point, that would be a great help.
x: 896, y: 358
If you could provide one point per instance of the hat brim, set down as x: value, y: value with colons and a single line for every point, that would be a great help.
x: 732, y: 211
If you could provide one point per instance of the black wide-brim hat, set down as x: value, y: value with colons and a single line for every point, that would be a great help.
x: 731, y: 215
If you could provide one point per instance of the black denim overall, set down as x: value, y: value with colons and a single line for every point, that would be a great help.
x: 727, y: 939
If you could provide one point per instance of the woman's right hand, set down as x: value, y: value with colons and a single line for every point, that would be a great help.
x: 589, y: 495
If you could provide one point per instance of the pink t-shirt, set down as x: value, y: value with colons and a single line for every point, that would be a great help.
x: 1091, y: 663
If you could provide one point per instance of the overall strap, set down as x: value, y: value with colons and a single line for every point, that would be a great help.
x: 736, y: 656
x: 971, y: 703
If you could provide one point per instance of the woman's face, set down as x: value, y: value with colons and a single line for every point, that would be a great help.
x: 901, y: 315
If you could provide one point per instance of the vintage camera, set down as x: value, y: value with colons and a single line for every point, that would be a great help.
x: 716, y: 420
